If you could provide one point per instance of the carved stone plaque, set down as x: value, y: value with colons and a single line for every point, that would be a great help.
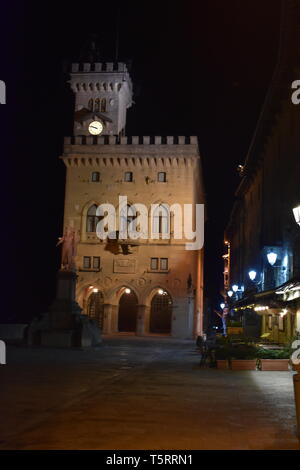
x: 126, y: 266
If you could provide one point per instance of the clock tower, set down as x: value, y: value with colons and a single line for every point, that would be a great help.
x: 103, y: 92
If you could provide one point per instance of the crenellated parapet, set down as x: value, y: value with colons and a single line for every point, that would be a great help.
x: 130, y: 140
x: 135, y: 151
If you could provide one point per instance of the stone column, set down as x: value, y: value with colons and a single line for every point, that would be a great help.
x: 114, y: 319
x: 107, y: 318
x: 143, y: 320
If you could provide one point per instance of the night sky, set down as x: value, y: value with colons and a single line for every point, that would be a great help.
x: 198, y: 67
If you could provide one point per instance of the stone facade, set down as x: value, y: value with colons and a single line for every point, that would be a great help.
x: 161, y: 171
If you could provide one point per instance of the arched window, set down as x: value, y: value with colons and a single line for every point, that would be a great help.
x: 91, y: 104
x: 92, y: 219
x: 127, y: 216
x: 97, y: 105
x: 103, y: 105
x: 161, y: 220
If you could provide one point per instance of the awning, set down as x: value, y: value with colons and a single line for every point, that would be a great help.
x: 267, y: 300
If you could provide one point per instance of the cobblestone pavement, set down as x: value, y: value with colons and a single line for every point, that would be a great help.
x: 140, y: 393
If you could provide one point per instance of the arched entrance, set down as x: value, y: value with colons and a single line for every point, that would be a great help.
x: 161, y: 313
x: 95, y: 307
x: 128, y: 306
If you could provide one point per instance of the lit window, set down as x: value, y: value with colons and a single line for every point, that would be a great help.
x: 92, y: 219
x: 154, y: 264
x: 95, y: 176
x: 162, y: 177
x: 87, y: 262
x: 281, y: 323
x: 270, y: 322
x: 96, y: 262
x: 128, y: 176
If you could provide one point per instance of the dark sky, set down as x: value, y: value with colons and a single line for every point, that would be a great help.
x: 199, y: 68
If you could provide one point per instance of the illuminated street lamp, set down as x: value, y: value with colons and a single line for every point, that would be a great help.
x: 272, y: 257
x: 235, y: 288
x: 222, y: 305
x: 252, y: 275
x: 296, y: 212
x: 230, y: 293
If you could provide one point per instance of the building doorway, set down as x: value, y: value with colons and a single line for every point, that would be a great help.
x: 95, y: 307
x: 128, y: 306
x: 161, y: 313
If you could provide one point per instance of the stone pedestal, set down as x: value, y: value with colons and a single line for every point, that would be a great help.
x: 64, y: 325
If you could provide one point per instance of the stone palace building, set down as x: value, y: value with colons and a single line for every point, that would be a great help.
x: 144, y: 286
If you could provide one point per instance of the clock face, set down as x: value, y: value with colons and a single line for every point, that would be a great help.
x: 95, y: 127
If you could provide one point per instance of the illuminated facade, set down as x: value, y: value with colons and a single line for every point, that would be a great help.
x: 152, y: 286
x: 263, y: 235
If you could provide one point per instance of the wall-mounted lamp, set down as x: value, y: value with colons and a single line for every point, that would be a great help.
x: 296, y: 212
x: 283, y: 312
x: 235, y: 288
x: 230, y: 293
x: 252, y: 275
x: 127, y: 290
x: 222, y: 306
x: 272, y: 258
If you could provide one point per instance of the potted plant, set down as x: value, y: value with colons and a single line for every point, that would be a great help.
x: 243, y: 357
x: 273, y: 359
x: 222, y: 355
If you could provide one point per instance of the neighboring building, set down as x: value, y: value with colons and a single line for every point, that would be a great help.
x: 262, y: 236
x: 144, y: 286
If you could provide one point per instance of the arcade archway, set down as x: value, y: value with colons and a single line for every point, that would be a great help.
x: 128, y: 307
x: 161, y: 313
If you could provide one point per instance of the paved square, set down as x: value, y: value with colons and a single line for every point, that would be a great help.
x: 137, y: 393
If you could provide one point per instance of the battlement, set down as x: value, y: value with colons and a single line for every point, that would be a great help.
x: 133, y: 140
x: 96, y: 67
